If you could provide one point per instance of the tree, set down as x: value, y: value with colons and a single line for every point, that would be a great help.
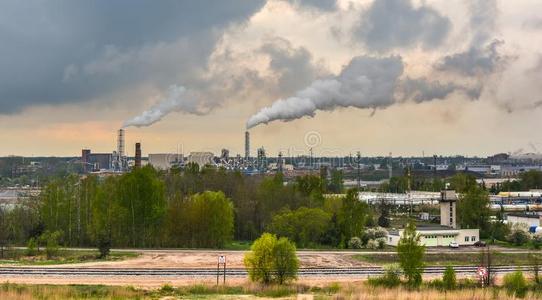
x: 259, y: 261
x: 285, y: 260
x: 305, y: 226
x: 272, y: 260
x: 411, y: 255
x: 463, y: 183
x: 473, y: 210
x: 336, y: 183
x: 449, y: 278
x: 353, y: 215
x: 384, y: 218
x: 515, y: 284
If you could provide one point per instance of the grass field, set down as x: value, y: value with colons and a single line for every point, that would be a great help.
x: 443, y: 259
x: 332, y: 291
x: 19, y: 257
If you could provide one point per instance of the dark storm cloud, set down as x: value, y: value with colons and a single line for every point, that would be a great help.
x: 66, y: 51
x: 389, y: 24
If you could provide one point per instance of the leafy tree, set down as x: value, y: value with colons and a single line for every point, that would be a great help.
x: 305, y: 226
x: 353, y: 216
x: 463, y: 183
x: 473, y: 210
x: 285, y: 260
x: 531, y: 179
x: 411, y: 255
x: 384, y: 218
x: 271, y: 260
x: 449, y: 278
x: 259, y: 261
x: 518, y: 235
x: 336, y: 184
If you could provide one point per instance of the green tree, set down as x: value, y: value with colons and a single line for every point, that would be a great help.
x: 353, y: 215
x: 285, y: 260
x: 473, y: 210
x: 272, y: 260
x: 531, y: 179
x: 259, y: 261
x: 411, y: 254
x: 463, y: 183
x: 336, y: 184
x: 449, y: 278
x: 304, y: 226
x: 515, y: 284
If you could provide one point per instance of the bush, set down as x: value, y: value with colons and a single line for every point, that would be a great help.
x: 355, y: 243
x: 381, y: 243
x: 518, y: 236
x: 536, y: 241
x: 391, y: 277
x: 104, y: 245
x: 448, y: 279
x: 51, y: 243
x: 31, y: 247
x: 515, y: 284
x: 372, y: 244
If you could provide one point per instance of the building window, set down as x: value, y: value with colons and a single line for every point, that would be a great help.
x: 473, y: 238
x: 466, y: 239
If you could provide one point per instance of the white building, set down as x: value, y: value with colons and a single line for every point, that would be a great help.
x: 447, y: 232
x: 164, y: 161
x: 524, y: 220
x: 201, y: 158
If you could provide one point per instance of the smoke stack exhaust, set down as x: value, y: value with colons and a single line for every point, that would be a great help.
x: 120, y: 143
x: 137, y: 155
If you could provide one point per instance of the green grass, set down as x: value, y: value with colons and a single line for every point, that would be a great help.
x: 238, y: 245
x: 443, y: 259
x: 17, y: 256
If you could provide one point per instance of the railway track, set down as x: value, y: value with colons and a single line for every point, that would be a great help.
x: 232, y: 272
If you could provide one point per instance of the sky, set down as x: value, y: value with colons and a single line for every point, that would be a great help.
x: 408, y: 77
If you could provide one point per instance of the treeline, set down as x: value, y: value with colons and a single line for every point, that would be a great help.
x: 190, y: 208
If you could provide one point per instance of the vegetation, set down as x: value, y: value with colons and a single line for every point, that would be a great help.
x: 448, y: 279
x: 458, y: 258
x: 515, y: 284
x: 411, y: 255
x: 62, y: 256
x: 272, y: 260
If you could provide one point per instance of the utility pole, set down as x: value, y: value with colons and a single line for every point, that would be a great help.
x: 359, y: 170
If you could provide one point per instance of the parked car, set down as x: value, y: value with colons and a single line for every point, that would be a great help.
x: 480, y: 244
x: 454, y: 245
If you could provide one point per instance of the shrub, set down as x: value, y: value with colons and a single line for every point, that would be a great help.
x: 518, y: 236
x: 51, y: 243
x: 448, y: 279
x: 515, y: 284
x: 536, y: 241
x: 104, y: 245
x: 411, y: 253
x: 381, y: 243
x: 31, y: 247
x: 391, y: 277
x: 355, y: 243
x: 372, y: 244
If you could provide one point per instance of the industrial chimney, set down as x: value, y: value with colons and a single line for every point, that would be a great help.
x: 247, y: 145
x: 120, y: 143
x: 137, y: 155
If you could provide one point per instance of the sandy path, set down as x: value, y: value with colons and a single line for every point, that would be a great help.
x: 205, y: 259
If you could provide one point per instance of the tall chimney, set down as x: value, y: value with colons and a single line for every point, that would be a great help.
x: 85, y: 160
x: 137, y: 155
x: 120, y: 143
x: 247, y: 145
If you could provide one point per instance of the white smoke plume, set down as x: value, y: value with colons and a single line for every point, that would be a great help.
x: 177, y: 99
x: 366, y: 82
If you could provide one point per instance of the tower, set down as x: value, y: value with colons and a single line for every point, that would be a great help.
x: 120, y: 143
x: 247, y: 145
x: 448, y: 204
x: 137, y: 155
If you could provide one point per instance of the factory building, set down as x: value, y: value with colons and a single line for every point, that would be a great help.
x: 201, y: 158
x: 164, y: 161
x: 447, y: 232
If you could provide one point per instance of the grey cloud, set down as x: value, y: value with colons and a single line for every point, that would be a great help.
x: 482, y: 56
x: 71, y: 51
x: 293, y: 66
x: 324, y: 5
x: 422, y: 89
x: 474, y: 61
x: 389, y: 24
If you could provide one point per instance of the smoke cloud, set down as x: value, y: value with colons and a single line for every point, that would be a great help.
x: 177, y: 99
x: 366, y: 82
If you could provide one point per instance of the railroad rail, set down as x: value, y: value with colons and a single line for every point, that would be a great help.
x: 235, y: 272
